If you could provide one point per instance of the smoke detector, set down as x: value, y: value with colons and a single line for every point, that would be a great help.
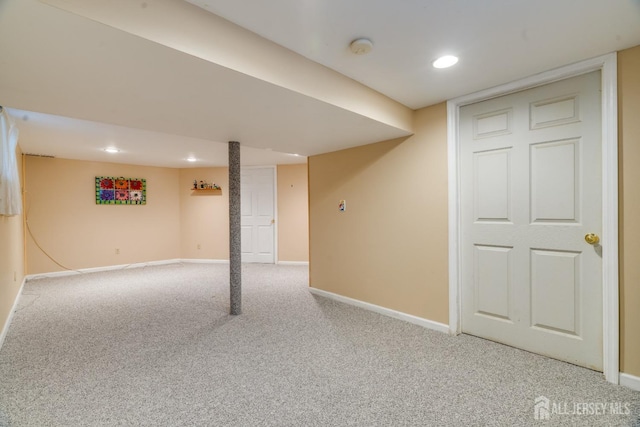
x: 361, y: 46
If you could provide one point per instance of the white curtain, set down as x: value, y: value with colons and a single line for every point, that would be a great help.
x: 10, y: 198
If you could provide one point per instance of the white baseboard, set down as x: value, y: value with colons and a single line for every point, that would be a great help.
x: 143, y: 264
x: 205, y: 261
x: 5, y: 329
x: 430, y: 324
x: 98, y: 269
x: 630, y: 381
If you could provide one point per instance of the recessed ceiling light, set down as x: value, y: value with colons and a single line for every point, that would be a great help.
x: 111, y: 150
x: 445, y: 61
x: 191, y: 159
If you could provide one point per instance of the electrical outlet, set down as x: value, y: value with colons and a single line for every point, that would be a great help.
x: 117, y: 251
x: 199, y: 246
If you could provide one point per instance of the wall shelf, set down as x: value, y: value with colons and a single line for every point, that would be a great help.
x: 211, y: 191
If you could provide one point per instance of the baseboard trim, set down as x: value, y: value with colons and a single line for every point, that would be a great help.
x: 429, y: 324
x: 99, y: 269
x: 630, y: 381
x: 143, y: 264
x: 205, y: 261
x: 14, y: 307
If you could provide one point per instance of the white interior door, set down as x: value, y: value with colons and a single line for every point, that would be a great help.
x: 258, y: 215
x: 531, y: 189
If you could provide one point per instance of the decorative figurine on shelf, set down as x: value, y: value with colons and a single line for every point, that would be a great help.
x: 201, y: 184
x: 195, y: 184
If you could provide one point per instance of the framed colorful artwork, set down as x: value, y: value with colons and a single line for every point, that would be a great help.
x: 111, y: 190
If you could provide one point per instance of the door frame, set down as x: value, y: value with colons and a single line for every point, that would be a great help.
x: 275, y: 205
x: 607, y: 64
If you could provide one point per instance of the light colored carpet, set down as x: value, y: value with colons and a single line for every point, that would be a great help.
x: 155, y: 346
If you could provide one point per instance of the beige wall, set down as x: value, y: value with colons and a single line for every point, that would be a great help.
x: 204, y: 217
x: 629, y: 157
x: 389, y: 247
x: 293, y: 213
x: 11, y: 259
x: 174, y: 222
x: 64, y: 219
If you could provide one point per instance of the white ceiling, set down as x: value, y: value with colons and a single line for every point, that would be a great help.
x: 149, y: 78
x: 45, y: 134
x: 497, y: 41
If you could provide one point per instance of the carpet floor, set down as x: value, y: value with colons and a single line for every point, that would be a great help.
x: 155, y: 346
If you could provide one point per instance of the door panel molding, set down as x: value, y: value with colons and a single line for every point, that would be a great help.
x: 607, y: 64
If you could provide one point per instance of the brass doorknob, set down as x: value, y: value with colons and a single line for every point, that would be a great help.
x: 591, y: 238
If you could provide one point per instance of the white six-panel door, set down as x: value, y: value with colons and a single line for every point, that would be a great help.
x: 258, y: 215
x: 531, y: 189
